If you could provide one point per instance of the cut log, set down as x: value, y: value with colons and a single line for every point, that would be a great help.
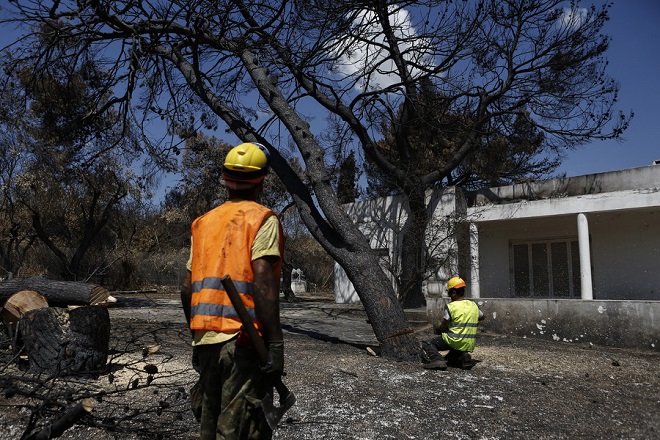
x: 61, y: 341
x: 21, y: 302
x: 58, y: 293
x: 66, y: 421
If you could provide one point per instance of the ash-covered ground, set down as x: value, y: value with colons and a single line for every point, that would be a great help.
x: 519, y: 389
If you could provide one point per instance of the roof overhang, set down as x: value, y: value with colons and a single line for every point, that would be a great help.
x: 551, y: 207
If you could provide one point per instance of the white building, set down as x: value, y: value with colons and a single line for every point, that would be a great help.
x: 539, y: 244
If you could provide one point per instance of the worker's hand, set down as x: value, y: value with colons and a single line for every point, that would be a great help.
x: 275, y: 366
x: 440, y: 327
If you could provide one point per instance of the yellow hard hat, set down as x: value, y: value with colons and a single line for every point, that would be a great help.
x: 245, y: 165
x: 455, y: 283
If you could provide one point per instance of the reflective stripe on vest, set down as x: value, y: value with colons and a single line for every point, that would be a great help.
x: 221, y: 310
x: 462, y: 330
x: 222, y: 245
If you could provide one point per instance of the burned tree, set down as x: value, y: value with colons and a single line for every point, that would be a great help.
x: 266, y: 68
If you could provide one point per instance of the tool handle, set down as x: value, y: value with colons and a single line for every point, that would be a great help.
x: 287, y: 399
x: 246, y: 319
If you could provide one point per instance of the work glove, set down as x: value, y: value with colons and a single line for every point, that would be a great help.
x: 275, y: 366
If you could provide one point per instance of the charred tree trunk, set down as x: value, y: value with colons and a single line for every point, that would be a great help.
x: 413, y: 265
x: 396, y: 337
x: 59, y: 341
x: 58, y: 293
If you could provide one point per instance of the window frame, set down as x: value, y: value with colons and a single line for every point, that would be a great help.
x: 572, y: 266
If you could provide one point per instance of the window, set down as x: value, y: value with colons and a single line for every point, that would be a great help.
x: 546, y: 268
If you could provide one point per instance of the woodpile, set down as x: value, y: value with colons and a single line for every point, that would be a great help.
x: 62, y: 327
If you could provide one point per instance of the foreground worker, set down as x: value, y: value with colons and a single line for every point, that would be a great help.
x: 457, y: 331
x: 244, y: 240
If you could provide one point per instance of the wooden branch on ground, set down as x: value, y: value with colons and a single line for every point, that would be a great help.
x: 68, y: 419
x: 131, y: 292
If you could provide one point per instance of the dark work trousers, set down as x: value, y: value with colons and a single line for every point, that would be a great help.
x: 233, y: 386
x: 432, y: 347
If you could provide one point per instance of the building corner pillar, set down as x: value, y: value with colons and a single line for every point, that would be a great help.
x: 586, y: 286
x: 475, y: 289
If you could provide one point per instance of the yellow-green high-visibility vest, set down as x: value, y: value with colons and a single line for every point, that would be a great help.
x: 463, y: 320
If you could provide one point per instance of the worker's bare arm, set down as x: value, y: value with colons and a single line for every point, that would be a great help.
x: 186, y: 294
x: 266, y: 294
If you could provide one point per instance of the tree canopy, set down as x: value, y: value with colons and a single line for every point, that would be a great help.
x: 68, y: 167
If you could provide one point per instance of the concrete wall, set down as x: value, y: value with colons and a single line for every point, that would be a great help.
x: 625, y: 252
x: 614, y: 181
x: 380, y: 220
x: 343, y: 288
x: 629, y: 324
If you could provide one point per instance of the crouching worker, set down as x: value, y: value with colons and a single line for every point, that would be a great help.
x: 457, y: 331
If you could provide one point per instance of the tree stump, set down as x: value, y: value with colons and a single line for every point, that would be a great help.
x: 61, y: 341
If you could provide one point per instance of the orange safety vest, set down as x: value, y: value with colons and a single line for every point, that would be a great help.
x: 222, y: 245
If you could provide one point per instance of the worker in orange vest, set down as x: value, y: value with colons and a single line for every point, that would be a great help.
x: 242, y: 239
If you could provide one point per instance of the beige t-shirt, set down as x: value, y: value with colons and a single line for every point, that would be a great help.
x: 266, y: 244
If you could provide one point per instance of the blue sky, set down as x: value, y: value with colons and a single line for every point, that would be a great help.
x: 634, y: 57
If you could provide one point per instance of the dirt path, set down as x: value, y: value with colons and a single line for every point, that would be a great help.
x: 520, y: 389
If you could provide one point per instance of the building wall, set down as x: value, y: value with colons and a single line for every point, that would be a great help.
x: 626, y: 255
x: 629, y: 324
x: 625, y: 252
x: 380, y: 220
